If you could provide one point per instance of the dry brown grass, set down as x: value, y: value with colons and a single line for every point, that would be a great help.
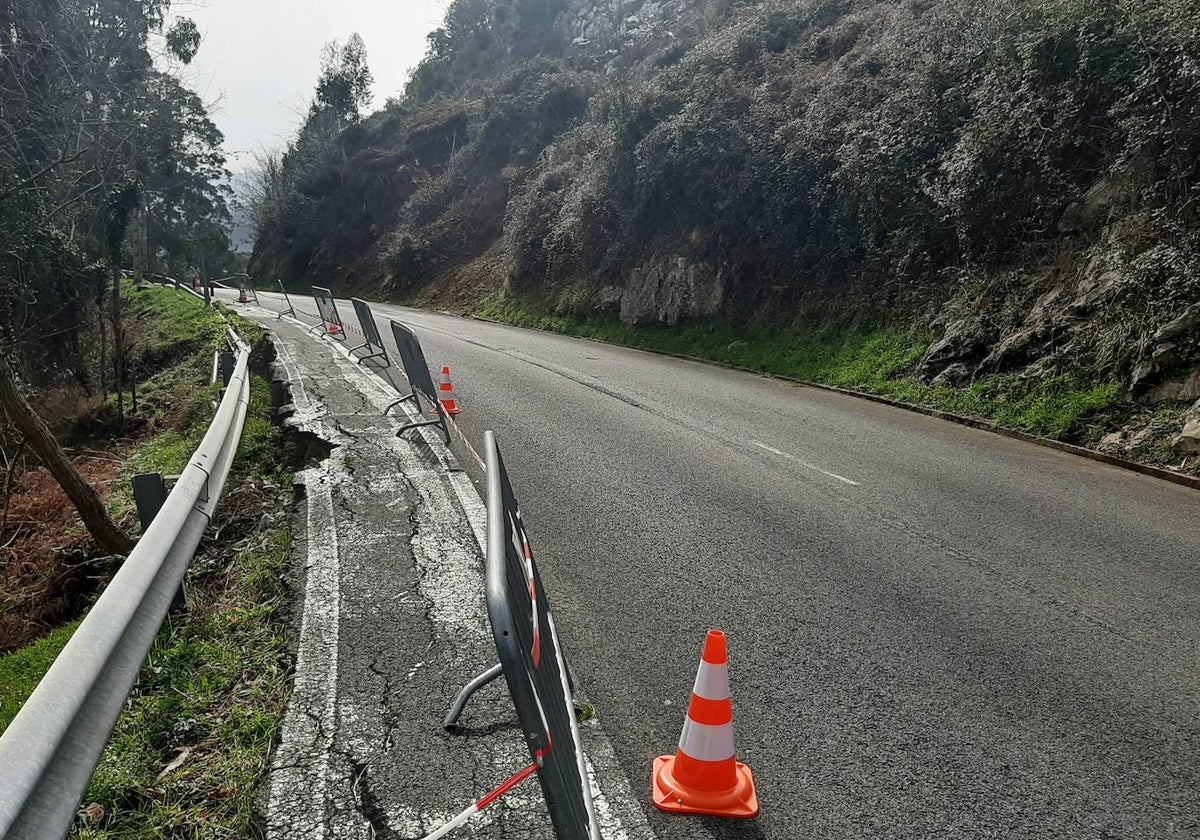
x: 49, y: 565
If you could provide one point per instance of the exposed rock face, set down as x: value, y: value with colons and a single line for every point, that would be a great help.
x: 1096, y: 206
x: 955, y: 355
x: 616, y: 32
x: 668, y: 288
x: 1188, y: 442
x: 1168, y: 350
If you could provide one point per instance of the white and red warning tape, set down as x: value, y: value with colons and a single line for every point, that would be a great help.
x: 492, y: 797
x: 462, y: 436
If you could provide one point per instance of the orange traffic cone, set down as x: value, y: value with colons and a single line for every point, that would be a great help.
x: 449, y: 404
x: 704, y: 776
x: 334, y: 329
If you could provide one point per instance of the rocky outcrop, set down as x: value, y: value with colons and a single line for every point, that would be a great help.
x: 1097, y: 206
x: 615, y: 33
x: 1188, y: 442
x: 1169, y: 348
x: 666, y: 289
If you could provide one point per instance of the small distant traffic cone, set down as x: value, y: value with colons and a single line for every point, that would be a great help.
x: 446, y: 397
x: 704, y: 776
x: 334, y: 329
x: 242, y: 296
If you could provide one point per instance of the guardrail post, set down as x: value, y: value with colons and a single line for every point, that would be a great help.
x: 149, y: 493
x: 228, y: 360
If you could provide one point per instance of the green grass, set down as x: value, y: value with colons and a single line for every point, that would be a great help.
x: 878, y: 360
x: 21, y: 670
x: 212, y: 691
x: 166, y: 319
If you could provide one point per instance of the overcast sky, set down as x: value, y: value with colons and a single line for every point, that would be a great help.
x: 259, y: 60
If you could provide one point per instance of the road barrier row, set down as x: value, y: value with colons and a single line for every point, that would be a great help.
x: 51, y: 748
x: 527, y: 645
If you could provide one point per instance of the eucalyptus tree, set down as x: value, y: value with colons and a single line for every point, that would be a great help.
x: 93, y: 131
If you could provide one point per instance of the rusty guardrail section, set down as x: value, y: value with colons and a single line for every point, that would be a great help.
x: 50, y: 750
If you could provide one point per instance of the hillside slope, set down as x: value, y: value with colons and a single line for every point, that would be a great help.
x: 1014, y: 185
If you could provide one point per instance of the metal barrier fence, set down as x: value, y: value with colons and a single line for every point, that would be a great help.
x: 416, y: 369
x: 50, y: 750
x: 370, y: 331
x: 291, y: 310
x: 331, y: 322
x: 532, y: 661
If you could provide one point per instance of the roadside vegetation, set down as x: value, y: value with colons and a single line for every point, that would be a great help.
x: 879, y: 361
x: 190, y: 750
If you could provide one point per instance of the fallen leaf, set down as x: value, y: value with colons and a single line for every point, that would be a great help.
x: 93, y: 813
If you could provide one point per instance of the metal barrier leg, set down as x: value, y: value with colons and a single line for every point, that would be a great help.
x: 402, y: 401
x: 422, y: 424
x: 149, y: 494
x: 460, y: 702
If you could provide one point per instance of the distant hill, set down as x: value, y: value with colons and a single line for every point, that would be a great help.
x: 1016, y: 182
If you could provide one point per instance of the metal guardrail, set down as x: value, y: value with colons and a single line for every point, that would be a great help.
x: 50, y: 750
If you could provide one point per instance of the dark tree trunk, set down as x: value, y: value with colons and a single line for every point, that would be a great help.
x: 118, y: 345
x: 91, y: 510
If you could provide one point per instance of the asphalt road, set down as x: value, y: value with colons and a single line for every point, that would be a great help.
x: 935, y: 631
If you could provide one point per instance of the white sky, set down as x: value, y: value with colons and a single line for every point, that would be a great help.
x: 259, y: 59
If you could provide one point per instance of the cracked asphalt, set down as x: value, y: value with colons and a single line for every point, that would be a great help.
x: 391, y: 625
x: 935, y: 632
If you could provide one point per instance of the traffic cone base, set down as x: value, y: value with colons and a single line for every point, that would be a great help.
x: 740, y: 801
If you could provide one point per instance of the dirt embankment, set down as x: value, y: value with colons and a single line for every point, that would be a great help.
x: 50, y: 568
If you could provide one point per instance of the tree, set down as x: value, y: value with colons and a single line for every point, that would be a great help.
x: 344, y: 86
x: 40, y: 439
x: 92, y: 136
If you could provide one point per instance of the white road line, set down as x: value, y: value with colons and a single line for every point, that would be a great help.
x: 311, y: 719
x: 804, y: 463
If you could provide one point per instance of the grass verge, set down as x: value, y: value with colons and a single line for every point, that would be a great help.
x: 878, y: 360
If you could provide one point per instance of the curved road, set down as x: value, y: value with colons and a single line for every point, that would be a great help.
x: 935, y: 631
